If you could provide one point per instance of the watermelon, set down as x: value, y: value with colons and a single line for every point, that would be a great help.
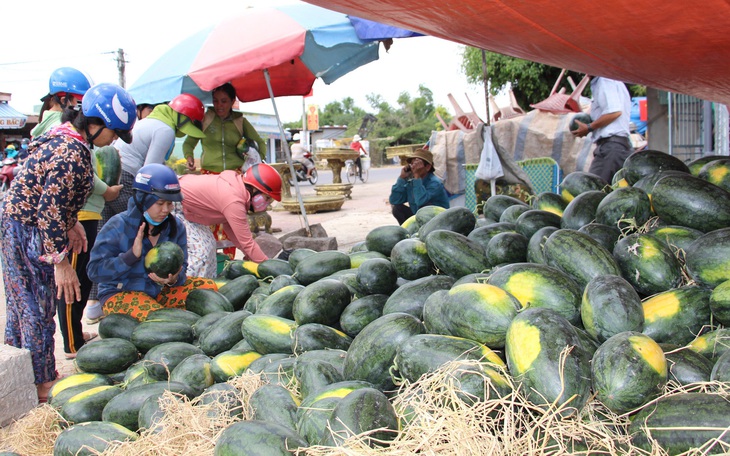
x: 720, y: 303
x: 577, y: 182
x: 458, y: 219
x: 579, y: 255
x: 92, y: 436
x: 686, y: 366
x: 624, y: 207
x: 551, y: 202
x: 455, y: 254
x: 496, y: 205
x: 683, y: 422
x: 647, y: 263
x: 675, y: 316
x: 274, y: 404
x: 257, y: 437
x: 376, y: 276
x: 609, y: 306
x: 372, y: 351
x: 582, y: 209
x: 628, y: 370
x: 717, y: 172
x: 383, y: 238
x: 539, y: 285
x: 410, y: 259
x: 708, y: 258
x: 164, y: 259
x: 478, y: 311
x: 106, y: 356
x: 363, y: 410
x: 648, y: 162
x: 108, y: 165
x: 580, y: 117
x: 689, y: 201
x: 546, y: 356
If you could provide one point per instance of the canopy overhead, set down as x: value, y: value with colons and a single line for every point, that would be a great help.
x: 675, y: 46
x: 10, y: 118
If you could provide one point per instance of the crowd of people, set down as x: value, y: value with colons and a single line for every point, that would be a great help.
x: 73, y: 244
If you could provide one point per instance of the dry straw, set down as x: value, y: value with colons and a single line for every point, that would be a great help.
x: 436, y: 417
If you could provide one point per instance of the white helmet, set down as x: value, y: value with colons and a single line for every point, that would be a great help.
x: 296, y: 137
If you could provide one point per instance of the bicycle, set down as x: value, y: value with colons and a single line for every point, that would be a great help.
x: 352, y: 173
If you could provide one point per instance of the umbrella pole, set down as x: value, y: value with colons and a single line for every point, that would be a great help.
x: 287, y: 153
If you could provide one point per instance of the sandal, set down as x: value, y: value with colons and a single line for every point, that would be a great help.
x: 93, y: 321
x: 89, y: 336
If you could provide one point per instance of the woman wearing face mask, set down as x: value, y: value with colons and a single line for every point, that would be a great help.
x: 226, y: 199
x: 39, y: 223
x: 117, y: 259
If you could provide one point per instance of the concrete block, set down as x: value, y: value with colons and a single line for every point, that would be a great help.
x: 18, y: 393
x: 317, y: 231
x: 303, y: 242
x: 270, y: 245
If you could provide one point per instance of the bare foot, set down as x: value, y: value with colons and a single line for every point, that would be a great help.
x: 43, y: 390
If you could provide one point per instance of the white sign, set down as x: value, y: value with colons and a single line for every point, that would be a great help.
x: 12, y: 122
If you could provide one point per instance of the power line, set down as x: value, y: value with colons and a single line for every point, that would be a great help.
x: 25, y: 62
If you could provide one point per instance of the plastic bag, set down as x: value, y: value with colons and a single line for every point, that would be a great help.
x: 490, y: 167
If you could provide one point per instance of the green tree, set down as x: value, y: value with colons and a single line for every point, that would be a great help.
x: 531, y: 82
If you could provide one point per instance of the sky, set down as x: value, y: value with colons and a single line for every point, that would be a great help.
x: 145, y: 29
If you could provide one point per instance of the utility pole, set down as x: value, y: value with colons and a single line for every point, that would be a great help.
x: 121, y: 65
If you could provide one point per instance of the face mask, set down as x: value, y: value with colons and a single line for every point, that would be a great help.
x: 23, y: 146
x: 259, y: 202
x: 150, y: 221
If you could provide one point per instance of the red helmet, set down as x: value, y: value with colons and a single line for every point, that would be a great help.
x: 188, y: 105
x: 264, y: 178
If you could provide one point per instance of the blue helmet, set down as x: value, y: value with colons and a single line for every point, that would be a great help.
x: 68, y: 80
x: 159, y: 180
x: 114, y: 106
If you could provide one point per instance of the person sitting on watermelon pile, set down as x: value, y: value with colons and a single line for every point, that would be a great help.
x: 117, y: 261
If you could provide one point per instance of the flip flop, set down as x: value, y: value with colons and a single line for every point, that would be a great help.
x: 93, y: 321
x: 89, y: 336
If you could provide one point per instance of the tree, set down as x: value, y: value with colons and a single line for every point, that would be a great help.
x: 531, y: 82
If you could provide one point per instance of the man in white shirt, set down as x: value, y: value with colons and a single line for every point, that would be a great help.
x: 610, y: 114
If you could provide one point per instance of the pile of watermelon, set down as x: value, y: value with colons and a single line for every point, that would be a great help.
x: 615, y: 292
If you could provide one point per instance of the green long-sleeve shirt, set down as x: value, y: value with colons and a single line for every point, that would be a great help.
x: 221, y: 138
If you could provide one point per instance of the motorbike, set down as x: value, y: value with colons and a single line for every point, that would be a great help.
x: 7, y: 173
x: 301, y: 171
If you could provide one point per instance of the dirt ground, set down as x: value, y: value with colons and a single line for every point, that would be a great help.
x: 367, y: 209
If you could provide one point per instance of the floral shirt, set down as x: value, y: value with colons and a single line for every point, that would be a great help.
x: 51, y: 188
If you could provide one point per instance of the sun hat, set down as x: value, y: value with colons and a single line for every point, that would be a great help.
x: 423, y: 154
x: 356, y: 138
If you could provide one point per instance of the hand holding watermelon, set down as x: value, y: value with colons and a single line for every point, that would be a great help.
x: 164, y: 263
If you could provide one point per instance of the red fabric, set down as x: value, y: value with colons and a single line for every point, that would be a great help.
x: 675, y: 46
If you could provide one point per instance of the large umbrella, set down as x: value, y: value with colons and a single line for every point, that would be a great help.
x: 295, y: 43
x: 265, y: 53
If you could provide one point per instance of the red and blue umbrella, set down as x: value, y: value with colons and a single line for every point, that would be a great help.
x: 294, y: 43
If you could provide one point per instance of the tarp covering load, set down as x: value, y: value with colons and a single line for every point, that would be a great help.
x: 674, y: 46
x: 543, y: 134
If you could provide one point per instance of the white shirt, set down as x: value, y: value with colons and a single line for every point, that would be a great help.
x: 610, y: 96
